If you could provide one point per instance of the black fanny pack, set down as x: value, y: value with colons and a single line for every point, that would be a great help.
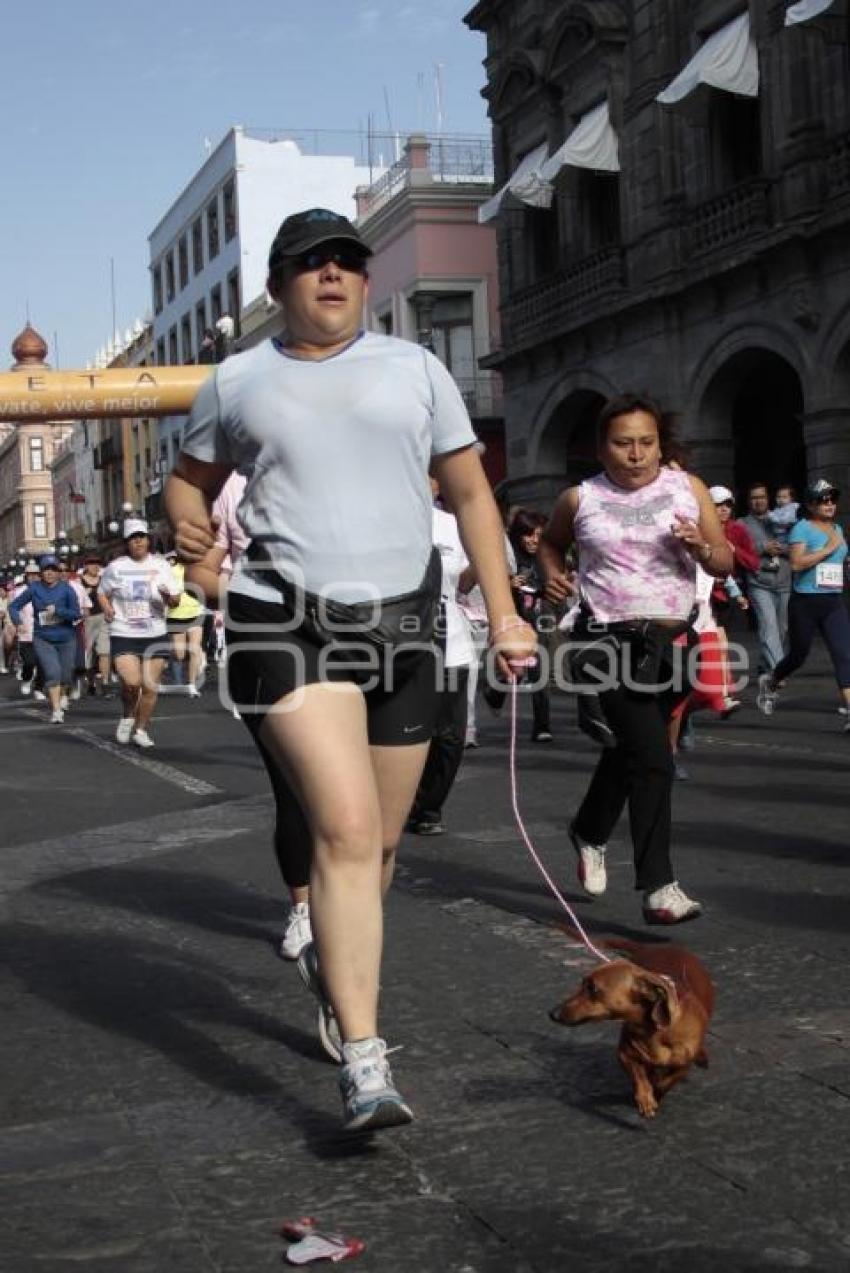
x: 650, y: 642
x: 388, y: 622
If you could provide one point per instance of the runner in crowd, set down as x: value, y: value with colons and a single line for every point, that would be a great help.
x: 7, y: 630
x: 56, y: 613
x: 769, y: 586
x: 445, y: 751
x: 26, y: 654
x: 336, y: 428
x: 68, y: 573
x: 185, y: 623
x: 135, y: 591
x: 639, y: 527
x: 817, y: 549
x: 96, y: 630
x: 292, y: 843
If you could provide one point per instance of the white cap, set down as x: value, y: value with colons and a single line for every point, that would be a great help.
x: 721, y: 495
x: 135, y: 526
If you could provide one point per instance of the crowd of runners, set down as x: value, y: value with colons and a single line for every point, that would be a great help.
x: 363, y: 607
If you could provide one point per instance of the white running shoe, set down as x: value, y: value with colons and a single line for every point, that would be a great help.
x: 124, y: 729
x: 592, y: 874
x: 193, y: 691
x: 369, y: 1098
x: 26, y: 688
x: 63, y: 702
x: 39, y: 696
x: 142, y: 738
x: 57, y: 717
x: 297, y: 933
x: 766, y: 696
x: 75, y: 692
x: 669, y: 904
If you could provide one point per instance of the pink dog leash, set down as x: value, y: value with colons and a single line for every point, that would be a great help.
x: 535, y: 857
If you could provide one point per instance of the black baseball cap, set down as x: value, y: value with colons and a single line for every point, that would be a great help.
x: 305, y: 230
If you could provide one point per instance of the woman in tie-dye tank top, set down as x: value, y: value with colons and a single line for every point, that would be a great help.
x: 639, y: 527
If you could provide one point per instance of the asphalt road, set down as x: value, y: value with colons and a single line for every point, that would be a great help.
x: 165, y: 1104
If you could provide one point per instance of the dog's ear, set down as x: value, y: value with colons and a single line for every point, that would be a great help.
x: 660, y: 993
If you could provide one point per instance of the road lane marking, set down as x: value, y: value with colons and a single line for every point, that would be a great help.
x: 25, y: 865
x: 177, y: 778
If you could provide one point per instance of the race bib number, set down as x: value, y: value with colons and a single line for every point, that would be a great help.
x: 829, y: 574
x: 137, y: 607
x: 47, y: 617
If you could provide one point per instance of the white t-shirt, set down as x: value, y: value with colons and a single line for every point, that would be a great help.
x: 133, y: 589
x: 336, y: 454
x: 453, y: 560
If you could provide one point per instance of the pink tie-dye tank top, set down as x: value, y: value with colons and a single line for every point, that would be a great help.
x: 630, y: 565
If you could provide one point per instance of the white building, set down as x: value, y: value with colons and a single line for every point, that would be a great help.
x: 208, y: 254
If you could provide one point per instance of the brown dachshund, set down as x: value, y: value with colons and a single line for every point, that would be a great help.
x: 664, y: 996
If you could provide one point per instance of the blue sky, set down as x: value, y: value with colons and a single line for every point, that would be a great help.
x: 105, y: 106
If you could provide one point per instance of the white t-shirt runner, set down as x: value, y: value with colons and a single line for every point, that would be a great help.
x: 133, y: 589
x: 336, y: 455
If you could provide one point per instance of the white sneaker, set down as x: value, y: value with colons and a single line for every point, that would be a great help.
x: 669, y: 904
x: 366, y: 1084
x: 75, y: 692
x: 297, y: 932
x: 766, y: 696
x: 39, y: 696
x: 124, y: 729
x: 57, y: 717
x: 26, y: 688
x: 592, y: 874
x: 142, y: 738
x: 63, y: 702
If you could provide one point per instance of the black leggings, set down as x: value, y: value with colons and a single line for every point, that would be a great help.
x: 813, y: 612
x: 446, y: 750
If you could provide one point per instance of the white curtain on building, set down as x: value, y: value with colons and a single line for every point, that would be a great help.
x: 591, y: 144
x: 805, y: 9
x: 727, y: 60
x: 525, y: 184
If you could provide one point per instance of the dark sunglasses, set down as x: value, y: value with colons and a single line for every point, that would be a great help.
x: 348, y: 259
x: 827, y: 499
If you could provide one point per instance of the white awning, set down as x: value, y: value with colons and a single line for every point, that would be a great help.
x: 591, y: 144
x: 525, y: 184
x: 727, y: 60
x: 804, y: 10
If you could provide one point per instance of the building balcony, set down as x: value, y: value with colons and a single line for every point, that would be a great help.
x: 431, y: 161
x: 722, y: 222
x: 548, y: 307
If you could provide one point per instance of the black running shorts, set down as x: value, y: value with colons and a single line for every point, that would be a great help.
x: 267, y: 661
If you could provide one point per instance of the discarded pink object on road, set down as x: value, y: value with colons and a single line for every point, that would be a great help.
x: 310, y: 1243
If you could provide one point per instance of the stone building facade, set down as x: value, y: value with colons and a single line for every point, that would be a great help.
x: 713, y: 270
x: 27, y: 451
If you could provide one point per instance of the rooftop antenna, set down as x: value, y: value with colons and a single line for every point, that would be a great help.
x: 393, y: 133
x: 112, y: 290
x: 27, y: 309
x: 438, y: 93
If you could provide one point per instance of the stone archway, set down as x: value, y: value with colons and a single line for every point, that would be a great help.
x: 568, y: 439
x: 750, y: 422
